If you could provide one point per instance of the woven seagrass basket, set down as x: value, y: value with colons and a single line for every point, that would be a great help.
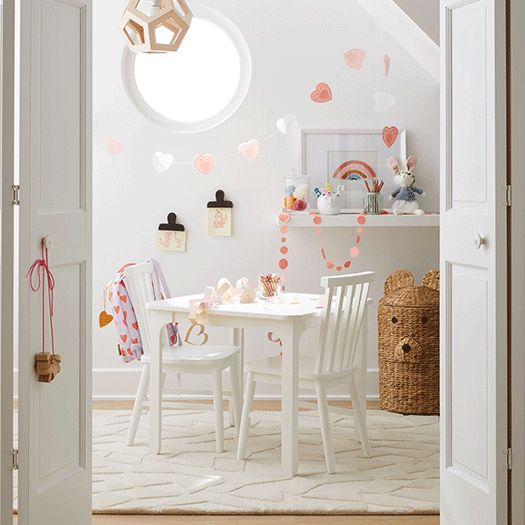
x: 408, y: 324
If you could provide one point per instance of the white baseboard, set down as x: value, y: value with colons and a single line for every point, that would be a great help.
x: 114, y: 384
x: 120, y: 384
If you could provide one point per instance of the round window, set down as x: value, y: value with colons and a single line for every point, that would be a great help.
x: 198, y: 87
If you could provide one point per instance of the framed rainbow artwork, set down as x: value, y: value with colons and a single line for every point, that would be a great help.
x: 345, y: 158
x: 354, y: 170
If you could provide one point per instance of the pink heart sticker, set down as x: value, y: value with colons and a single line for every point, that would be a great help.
x: 355, y: 58
x: 204, y: 163
x: 250, y: 150
x: 322, y: 93
x: 389, y: 135
x: 114, y: 146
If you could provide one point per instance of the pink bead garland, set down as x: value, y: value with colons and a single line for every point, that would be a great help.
x: 317, y: 221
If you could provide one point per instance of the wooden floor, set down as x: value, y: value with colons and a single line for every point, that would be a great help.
x: 255, y: 520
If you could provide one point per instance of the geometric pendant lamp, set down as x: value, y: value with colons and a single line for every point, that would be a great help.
x: 155, y: 26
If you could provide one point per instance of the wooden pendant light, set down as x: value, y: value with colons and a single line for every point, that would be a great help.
x: 160, y: 31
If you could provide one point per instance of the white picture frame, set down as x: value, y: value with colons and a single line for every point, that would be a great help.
x: 325, y: 151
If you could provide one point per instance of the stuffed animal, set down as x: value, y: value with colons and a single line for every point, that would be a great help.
x: 405, y: 201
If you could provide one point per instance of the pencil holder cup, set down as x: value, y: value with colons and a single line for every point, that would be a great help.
x: 373, y: 204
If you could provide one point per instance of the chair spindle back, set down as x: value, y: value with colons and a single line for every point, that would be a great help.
x: 345, y: 302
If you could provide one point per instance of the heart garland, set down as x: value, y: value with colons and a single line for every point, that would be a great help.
x: 250, y: 150
x: 114, y: 146
x: 204, y: 163
x: 162, y: 162
x: 353, y: 253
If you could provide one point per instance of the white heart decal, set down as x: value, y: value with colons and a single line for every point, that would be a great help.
x: 286, y: 125
x: 249, y: 150
x: 162, y: 161
x: 383, y: 102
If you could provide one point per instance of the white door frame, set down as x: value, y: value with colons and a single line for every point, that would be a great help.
x: 7, y: 307
x: 517, y: 236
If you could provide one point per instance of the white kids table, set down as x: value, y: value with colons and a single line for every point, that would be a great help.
x: 287, y: 321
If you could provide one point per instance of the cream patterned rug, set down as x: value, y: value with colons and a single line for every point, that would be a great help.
x: 402, y: 477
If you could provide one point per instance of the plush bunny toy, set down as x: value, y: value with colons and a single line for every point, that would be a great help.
x: 405, y: 201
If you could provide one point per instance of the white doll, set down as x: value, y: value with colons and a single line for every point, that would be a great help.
x: 404, y: 196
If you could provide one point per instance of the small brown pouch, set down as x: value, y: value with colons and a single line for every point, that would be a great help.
x: 47, y: 366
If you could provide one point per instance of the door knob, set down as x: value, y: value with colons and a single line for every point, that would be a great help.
x: 479, y: 241
x: 48, y: 242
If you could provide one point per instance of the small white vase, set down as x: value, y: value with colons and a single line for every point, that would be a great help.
x: 329, y: 204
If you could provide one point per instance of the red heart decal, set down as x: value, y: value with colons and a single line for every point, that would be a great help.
x: 390, y: 135
x: 135, y: 341
x: 117, y: 309
x: 124, y: 298
x: 135, y: 325
x: 124, y: 338
x: 322, y: 93
x: 172, y: 339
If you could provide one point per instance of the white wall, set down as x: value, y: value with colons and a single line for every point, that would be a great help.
x: 295, y: 44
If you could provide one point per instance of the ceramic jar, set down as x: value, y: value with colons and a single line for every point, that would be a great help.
x: 329, y: 203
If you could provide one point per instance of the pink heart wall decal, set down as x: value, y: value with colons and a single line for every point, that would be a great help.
x: 204, y: 163
x: 389, y: 135
x: 114, y: 146
x: 355, y: 58
x: 250, y: 150
x: 322, y: 93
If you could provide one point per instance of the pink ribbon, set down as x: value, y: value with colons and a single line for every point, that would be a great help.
x: 40, y: 271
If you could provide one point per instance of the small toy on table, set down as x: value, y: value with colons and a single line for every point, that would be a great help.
x: 404, y: 196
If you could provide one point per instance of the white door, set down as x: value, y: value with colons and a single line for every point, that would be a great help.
x: 7, y: 62
x: 55, y: 181
x: 473, y: 264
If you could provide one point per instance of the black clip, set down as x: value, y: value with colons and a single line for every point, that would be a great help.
x: 172, y: 225
x: 220, y: 202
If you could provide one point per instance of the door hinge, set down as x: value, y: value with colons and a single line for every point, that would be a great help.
x: 508, y: 195
x: 509, y: 458
x: 14, y: 456
x: 16, y: 194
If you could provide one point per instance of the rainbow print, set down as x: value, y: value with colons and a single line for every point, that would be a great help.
x: 354, y: 170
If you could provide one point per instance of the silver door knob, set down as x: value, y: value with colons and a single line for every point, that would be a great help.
x: 479, y: 241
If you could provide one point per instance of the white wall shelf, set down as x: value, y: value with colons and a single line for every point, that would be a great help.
x: 349, y: 220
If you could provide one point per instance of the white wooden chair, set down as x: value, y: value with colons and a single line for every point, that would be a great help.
x: 335, y: 364
x: 143, y: 286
